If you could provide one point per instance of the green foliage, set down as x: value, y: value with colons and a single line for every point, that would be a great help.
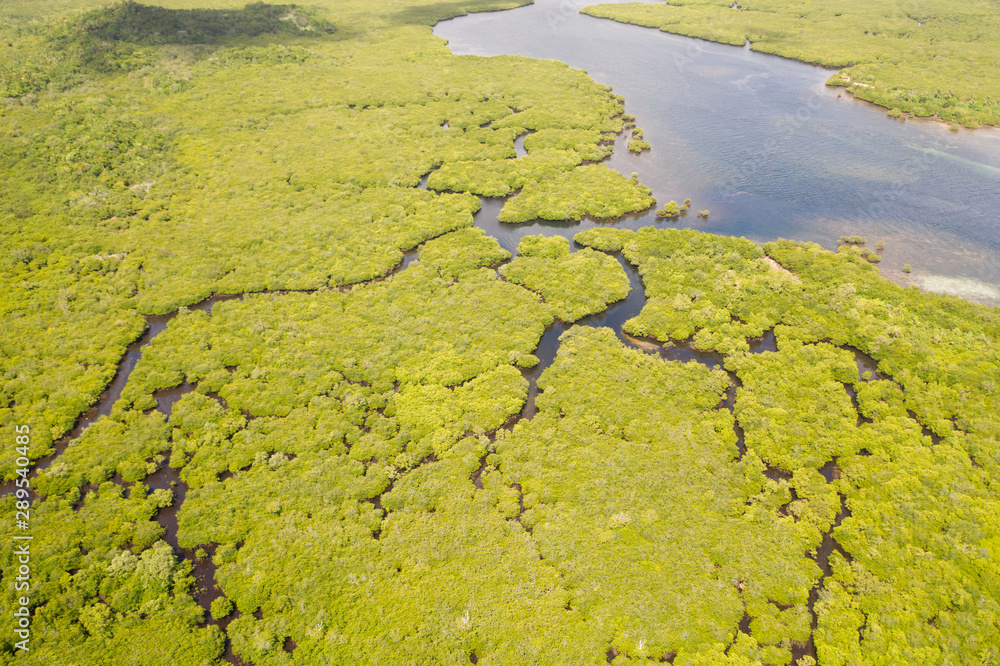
x: 799, y: 420
x: 543, y: 247
x: 438, y: 416
x: 572, y: 285
x: 272, y: 54
x: 462, y: 251
x: 351, y: 452
x: 606, y: 239
x: 638, y: 145
x: 93, y: 598
x: 696, y: 282
x: 635, y: 496
x: 907, y: 545
x: 303, y: 366
x: 106, y: 447
x: 587, y: 143
x: 221, y: 607
x: 259, y: 160
x: 724, y: 290
x: 924, y: 58
x: 869, y: 255
x: 497, y: 178
x: 345, y: 447
x: 669, y: 209
x: 478, y: 573
x: 406, y: 444
x: 794, y: 406
x: 593, y: 190
x: 853, y: 240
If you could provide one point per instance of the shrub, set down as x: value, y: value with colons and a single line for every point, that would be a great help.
x: 220, y: 608
x: 638, y: 145
x: 670, y: 209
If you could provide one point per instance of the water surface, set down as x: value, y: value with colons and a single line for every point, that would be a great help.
x: 772, y: 152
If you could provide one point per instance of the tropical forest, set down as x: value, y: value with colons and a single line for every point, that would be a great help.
x: 359, y: 332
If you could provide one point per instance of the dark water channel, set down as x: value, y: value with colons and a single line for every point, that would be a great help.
x: 154, y: 326
x: 203, y: 569
x: 770, y: 150
x: 613, y: 317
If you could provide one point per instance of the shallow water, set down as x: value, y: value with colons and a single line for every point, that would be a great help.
x: 772, y: 152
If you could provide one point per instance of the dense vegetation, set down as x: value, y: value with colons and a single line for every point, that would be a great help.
x: 923, y: 57
x: 352, y: 465
x: 462, y: 251
x: 593, y: 190
x: 911, y: 581
x: 267, y: 161
x: 573, y: 285
x: 663, y: 539
x: 110, y: 587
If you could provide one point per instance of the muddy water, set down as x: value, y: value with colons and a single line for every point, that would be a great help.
x: 205, y: 589
x: 519, y: 148
x: 770, y: 150
x: 167, y: 398
x: 155, y: 324
x: 166, y: 477
x: 620, y: 312
x: 766, y: 343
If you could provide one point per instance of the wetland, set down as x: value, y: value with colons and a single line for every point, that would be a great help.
x: 310, y: 381
x: 793, y: 159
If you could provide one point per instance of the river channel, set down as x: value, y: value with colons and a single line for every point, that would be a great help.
x: 768, y: 148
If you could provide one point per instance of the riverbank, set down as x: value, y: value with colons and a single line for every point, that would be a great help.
x: 762, y: 142
x: 886, y: 55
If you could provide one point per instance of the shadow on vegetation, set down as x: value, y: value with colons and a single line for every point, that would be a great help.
x: 145, y: 24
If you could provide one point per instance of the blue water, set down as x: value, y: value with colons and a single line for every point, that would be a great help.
x: 770, y: 150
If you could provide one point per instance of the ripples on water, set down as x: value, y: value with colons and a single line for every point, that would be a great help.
x: 770, y: 150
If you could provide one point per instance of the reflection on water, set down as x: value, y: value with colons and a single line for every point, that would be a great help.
x: 770, y: 150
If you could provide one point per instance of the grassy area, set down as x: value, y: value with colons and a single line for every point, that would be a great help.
x: 919, y: 57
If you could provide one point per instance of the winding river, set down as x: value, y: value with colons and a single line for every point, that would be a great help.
x: 768, y: 148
